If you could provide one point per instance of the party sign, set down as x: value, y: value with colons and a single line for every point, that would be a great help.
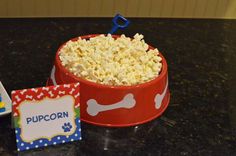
x: 46, y: 116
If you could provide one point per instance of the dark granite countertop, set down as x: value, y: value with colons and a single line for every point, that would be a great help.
x: 201, y: 54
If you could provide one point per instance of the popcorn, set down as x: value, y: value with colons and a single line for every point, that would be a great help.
x: 105, y: 60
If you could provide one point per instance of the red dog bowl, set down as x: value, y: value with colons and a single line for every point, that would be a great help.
x: 116, y: 106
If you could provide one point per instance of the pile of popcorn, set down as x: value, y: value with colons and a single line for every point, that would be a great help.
x: 105, y: 60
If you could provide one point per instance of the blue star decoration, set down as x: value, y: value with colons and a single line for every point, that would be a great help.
x: 66, y: 127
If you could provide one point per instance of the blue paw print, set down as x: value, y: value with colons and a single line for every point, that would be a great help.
x: 67, y: 127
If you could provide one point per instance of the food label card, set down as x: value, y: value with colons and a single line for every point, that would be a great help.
x: 46, y: 116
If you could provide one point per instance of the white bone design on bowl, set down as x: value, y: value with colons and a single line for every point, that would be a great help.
x: 94, y: 108
x: 159, y: 97
x: 53, y: 76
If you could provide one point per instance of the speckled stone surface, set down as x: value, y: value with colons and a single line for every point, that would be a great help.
x: 201, y: 54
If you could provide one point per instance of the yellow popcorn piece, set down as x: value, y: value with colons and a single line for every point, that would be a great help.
x: 105, y: 60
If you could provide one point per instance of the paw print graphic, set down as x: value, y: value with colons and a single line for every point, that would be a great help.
x: 67, y: 127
